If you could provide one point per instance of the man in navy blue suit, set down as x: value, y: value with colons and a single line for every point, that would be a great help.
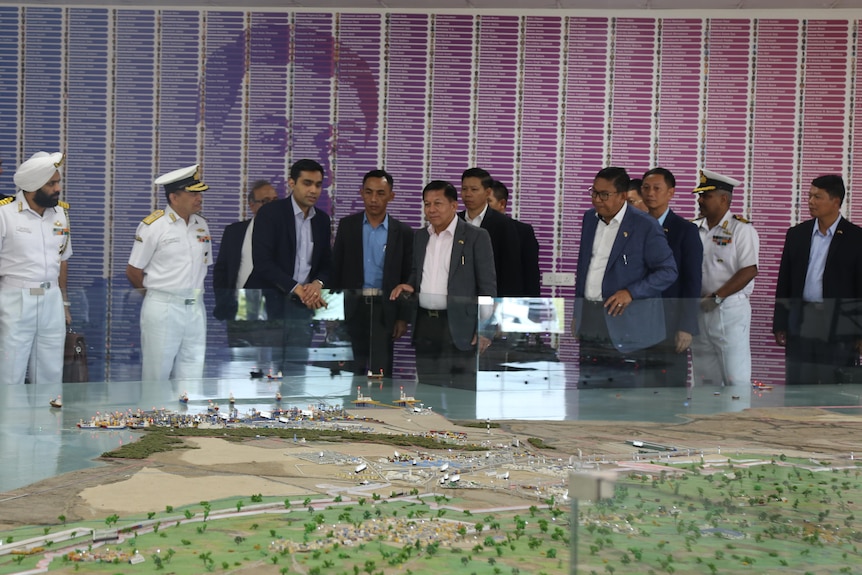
x: 624, y: 265
x: 668, y: 360
x: 233, y: 265
x: 292, y: 255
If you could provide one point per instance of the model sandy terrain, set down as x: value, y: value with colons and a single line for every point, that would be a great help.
x: 219, y: 469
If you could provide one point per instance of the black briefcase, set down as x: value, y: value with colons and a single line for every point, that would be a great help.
x: 75, y: 359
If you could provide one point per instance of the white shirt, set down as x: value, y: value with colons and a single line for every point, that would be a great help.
x: 245, y: 262
x: 174, y: 255
x: 32, y: 245
x: 304, y: 242
x: 727, y: 248
x: 477, y: 221
x: 606, y: 235
x: 435, y: 269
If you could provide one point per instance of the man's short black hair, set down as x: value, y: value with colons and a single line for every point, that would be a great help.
x: 618, y: 176
x: 669, y: 179
x: 833, y: 184
x: 448, y: 189
x: 380, y: 174
x: 483, y: 175
x: 304, y: 166
x: 500, y: 191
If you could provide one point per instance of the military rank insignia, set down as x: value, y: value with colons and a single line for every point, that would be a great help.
x: 722, y: 240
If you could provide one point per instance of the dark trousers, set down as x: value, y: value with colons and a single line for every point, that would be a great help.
x: 814, y: 355
x: 601, y: 365
x: 370, y: 339
x: 438, y: 361
x: 297, y: 329
x: 664, y: 366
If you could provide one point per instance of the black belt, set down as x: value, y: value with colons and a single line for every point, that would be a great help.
x: 433, y: 313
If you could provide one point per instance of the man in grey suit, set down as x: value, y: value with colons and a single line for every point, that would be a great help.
x: 453, y: 265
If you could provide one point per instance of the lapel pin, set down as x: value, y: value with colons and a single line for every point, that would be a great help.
x: 625, y: 234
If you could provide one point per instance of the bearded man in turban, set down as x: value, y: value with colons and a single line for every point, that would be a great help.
x: 35, y: 246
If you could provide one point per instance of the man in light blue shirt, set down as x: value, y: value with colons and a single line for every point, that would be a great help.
x: 373, y: 253
x: 819, y: 290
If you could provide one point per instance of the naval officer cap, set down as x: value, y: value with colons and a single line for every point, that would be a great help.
x: 183, y: 179
x: 37, y: 171
x: 710, y: 181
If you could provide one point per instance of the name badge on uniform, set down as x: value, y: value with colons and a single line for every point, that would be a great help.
x: 22, y: 229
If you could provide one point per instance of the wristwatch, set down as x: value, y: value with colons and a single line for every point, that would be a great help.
x: 716, y: 298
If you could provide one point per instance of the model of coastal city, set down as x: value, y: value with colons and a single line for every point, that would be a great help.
x: 398, y: 489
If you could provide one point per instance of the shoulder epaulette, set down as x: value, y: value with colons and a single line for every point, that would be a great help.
x: 153, y: 216
x: 741, y: 219
x: 63, y: 205
x: 7, y: 200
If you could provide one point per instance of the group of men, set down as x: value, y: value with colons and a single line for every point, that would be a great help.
x: 389, y: 274
x: 650, y: 284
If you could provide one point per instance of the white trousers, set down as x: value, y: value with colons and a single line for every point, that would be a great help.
x: 32, y: 333
x: 721, y: 353
x: 173, y: 336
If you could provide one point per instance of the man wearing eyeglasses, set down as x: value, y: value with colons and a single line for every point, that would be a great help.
x: 233, y: 266
x: 624, y: 264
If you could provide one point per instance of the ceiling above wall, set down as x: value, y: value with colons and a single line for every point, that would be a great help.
x: 439, y: 5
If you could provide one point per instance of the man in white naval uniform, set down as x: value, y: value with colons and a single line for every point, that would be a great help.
x: 169, y: 260
x: 35, y: 247
x: 721, y: 353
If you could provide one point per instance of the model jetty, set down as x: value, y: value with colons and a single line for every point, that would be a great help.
x: 406, y: 400
x: 365, y: 401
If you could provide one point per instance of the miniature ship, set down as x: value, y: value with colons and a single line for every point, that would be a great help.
x: 278, y: 396
x: 256, y: 373
x: 375, y: 375
x: 56, y: 402
x: 184, y: 398
x: 277, y: 376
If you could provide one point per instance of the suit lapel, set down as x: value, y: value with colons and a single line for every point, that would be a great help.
x: 457, y: 247
x: 420, y: 249
x: 622, y: 238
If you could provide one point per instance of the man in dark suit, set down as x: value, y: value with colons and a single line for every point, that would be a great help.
x: 667, y: 362
x: 452, y: 268
x: 819, y: 290
x: 498, y: 201
x: 475, y: 191
x: 233, y: 265
x: 372, y: 254
x: 624, y: 265
x: 292, y: 255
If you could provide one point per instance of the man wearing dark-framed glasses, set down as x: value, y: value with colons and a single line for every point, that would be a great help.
x: 624, y: 264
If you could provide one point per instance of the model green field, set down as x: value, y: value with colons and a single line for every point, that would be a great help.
x: 749, y: 515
